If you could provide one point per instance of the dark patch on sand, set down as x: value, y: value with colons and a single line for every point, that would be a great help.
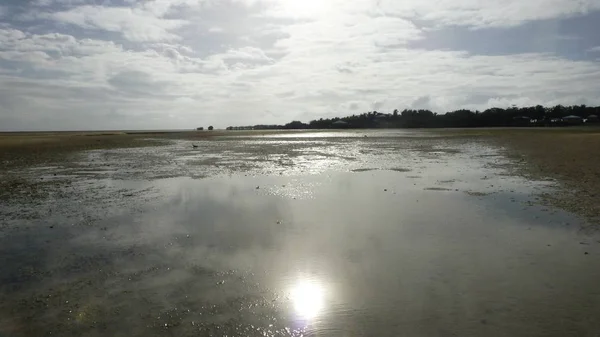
x: 477, y: 194
x: 364, y: 170
x: 396, y: 169
x: 450, y: 181
x: 400, y: 169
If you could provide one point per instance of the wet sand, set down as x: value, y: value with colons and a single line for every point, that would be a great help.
x: 569, y: 156
x: 314, y: 234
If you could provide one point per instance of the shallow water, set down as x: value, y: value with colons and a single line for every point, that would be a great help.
x: 318, y: 236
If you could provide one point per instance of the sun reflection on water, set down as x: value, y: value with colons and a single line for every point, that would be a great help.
x: 308, y: 298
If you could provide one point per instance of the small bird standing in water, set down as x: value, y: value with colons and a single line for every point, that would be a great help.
x: 194, y: 146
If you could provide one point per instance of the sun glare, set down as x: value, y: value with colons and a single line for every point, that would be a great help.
x: 305, y: 8
x: 308, y: 299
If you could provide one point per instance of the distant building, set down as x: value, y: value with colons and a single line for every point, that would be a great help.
x: 200, y: 129
x: 572, y: 120
x: 592, y: 119
x: 339, y: 124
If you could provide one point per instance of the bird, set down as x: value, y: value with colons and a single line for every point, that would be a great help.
x: 194, y: 146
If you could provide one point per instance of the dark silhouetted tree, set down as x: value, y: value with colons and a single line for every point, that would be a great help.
x: 409, y: 118
x: 210, y: 128
x: 296, y: 125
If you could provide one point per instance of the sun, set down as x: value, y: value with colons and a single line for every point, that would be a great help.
x: 308, y: 299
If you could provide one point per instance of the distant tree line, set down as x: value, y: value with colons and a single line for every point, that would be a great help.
x: 495, y: 117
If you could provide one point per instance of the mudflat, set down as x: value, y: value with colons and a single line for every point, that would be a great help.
x: 360, y: 232
x: 568, y: 155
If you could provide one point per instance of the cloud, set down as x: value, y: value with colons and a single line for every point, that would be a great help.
x: 480, y: 14
x: 48, y: 3
x: 594, y: 49
x: 135, y: 82
x: 183, y: 63
x: 245, y: 54
x: 135, y: 24
x: 59, y: 44
x: 440, y: 13
x: 215, y: 30
x: 10, y: 36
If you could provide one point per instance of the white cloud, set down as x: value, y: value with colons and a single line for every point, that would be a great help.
x: 215, y: 29
x: 133, y: 23
x: 162, y: 7
x: 269, y: 61
x: 475, y: 13
x: 37, y: 57
x: 297, y: 85
x: 245, y: 54
x: 10, y: 35
x: 64, y: 45
x: 594, y: 49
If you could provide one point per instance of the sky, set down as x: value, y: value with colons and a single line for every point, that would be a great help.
x: 181, y: 64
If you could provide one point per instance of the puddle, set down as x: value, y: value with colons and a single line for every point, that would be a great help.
x: 298, y: 248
